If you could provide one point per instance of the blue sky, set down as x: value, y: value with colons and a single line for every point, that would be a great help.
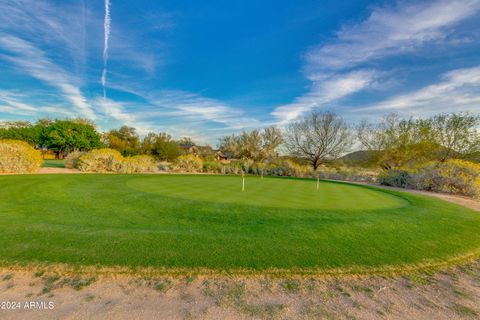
x: 208, y: 68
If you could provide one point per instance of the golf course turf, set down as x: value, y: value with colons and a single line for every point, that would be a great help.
x: 206, y: 222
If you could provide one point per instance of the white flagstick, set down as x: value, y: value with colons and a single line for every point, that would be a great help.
x: 318, y: 182
x: 262, y: 174
x: 243, y: 182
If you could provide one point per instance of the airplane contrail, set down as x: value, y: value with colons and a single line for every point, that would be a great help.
x: 106, y: 29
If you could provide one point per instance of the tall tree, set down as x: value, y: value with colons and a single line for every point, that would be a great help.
x: 254, y: 145
x: 457, y: 133
x: 272, y: 138
x: 64, y: 136
x: 125, y: 140
x: 161, y: 146
x: 318, y: 138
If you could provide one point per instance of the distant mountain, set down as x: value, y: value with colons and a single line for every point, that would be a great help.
x: 357, y: 156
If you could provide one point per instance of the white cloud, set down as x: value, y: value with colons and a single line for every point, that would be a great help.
x: 325, y: 92
x: 33, y: 61
x: 106, y: 30
x: 391, y: 31
x: 197, y: 107
x: 458, y: 90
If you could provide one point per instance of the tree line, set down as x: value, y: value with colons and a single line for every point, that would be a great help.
x: 318, y: 138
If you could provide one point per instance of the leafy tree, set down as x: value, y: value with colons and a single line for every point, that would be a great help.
x: 396, y: 142
x: 125, y: 140
x: 186, y: 141
x: 161, y: 146
x: 255, y: 145
x: 64, y: 136
x: 318, y: 138
x: 20, y: 130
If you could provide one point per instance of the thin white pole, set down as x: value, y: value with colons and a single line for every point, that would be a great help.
x: 243, y: 182
x: 318, y: 182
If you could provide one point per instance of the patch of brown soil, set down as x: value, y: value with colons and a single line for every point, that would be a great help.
x: 450, y: 294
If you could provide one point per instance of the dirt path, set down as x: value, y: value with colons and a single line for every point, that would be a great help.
x: 57, y: 171
x: 461, y: 200
x: 451, y: 294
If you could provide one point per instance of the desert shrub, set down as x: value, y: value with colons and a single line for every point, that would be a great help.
x: 18, y: 157
x: 71, y: 160
x: 165, y: 166
x: 138, y: 164
x: 234, y: 167
x: 356, y: 174
x: 259, y: 168
x: 396, y: 178
x: 288, y: 168
x: 453, y: 176
x: 188, y: 163
x: 213, y: 167
x: 101, y: 160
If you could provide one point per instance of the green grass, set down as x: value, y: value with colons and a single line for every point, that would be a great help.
x: 53, y: 164
x: 186, y: 221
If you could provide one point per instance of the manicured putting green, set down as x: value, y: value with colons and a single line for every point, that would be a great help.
x: 201, y: 221
x: 276, y: 193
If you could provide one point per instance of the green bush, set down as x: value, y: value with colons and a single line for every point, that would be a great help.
x: 18, y: 157
x: 101, y: 160
x: 138, y: 164
x: 188, y: 163
x: 71, y: 160
x: 396, y: 178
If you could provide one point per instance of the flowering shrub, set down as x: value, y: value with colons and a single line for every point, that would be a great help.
x: 138, y: 164
x: 101, y: 160
x: 71, y: 160
x: 18, y: 157
x: 453, y: 176
x: 188, y: 163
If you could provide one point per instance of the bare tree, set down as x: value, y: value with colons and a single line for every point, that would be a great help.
x: 457, y: 133
x: 318, y: 138
x: 272, y: 139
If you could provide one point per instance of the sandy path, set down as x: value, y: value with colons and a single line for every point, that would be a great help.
x: 451, y: 294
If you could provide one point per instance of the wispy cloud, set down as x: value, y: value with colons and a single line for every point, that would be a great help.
x: 106, y: 30
x: 326, y: 91
x: 196, y: 107
x: 31, y: 60
x: 389, y: 31
x: 458, y: 90
x: 343, y: 67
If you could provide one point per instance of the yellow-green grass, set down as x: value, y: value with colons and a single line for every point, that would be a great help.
x: 191, y: 222
x: 50, y: 163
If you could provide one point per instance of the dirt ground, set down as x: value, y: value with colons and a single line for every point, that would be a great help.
x: 453, y: 293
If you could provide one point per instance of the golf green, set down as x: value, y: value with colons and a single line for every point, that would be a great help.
x: 206, y: 222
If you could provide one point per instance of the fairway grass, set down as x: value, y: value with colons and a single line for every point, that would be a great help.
x: 193, y: 222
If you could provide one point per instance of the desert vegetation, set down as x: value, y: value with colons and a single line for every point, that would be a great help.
x: 439, y: 153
